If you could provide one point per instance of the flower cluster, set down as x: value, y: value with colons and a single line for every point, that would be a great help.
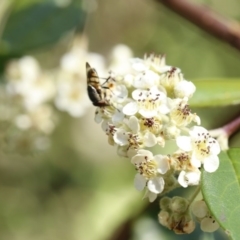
x: 28, y: 92
x: 148, y: 110
x: 31, y: 92
x: 175, y: 215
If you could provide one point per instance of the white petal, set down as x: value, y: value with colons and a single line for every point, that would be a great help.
x: 184, y: 89
x: 138, y: 158
x: 145, y: 153
x: 189, y: 178
x: 197, y: 120
x: 150, y: 139
x: 131, y: 152
x: 120, y: 137
x: 164, y: 109
x: 182, y: 180
x: 154, y: 90
x: 133, y: 124
x: 195, y: 162
x: 117, y: 117
x: 138, y: 64
x: 150, y: 195
x: 196, y: 131
x: 128, y: 79
x: 130, y: 109
x: 193, y: 177
x: 163, y: 164
x: 98, y: 117
x: 211, y: 163
x: 122, y: 151
x: 138, y: 94
x: 156, y: 185
x: 120, y: 93
x: 139, y: 182
x: 146, y: 80
x: 104, y: 125
x: 184, y: 143
x: 214, y: 147
x: 137, y: 82
x: 148, y: 113
x: 141, y: 156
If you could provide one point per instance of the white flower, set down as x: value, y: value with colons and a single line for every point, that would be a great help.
x: 132, y: 136
x: 138, y: 65
x: 204, y: 148
x: 110, y: 113
x: 123, y: 137
x: 169, y: 79
x: 181, y: 114
x: 23, y: 121
x: 128, y: 80
x: 147, y: 102
x: 186, y: 179
x: 38, y: 92
x: 72, y: 60
x: 150, y: 170
x: 146, y: 80
x: 222, y: 137
x: 71, y: 95
x: 156, y: 62
x: 152, y: 62
x: 116, y: 92
x: 43, y: 118
x: 26, y: 67
x: 25, y: 79
x: 184, y: 89
x: 181, y: 160
x: 171, y: 131
x: 120, y: 56
x: 40, y: 118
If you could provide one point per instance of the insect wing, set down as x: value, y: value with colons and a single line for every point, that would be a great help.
x: 94, y: 89
x: 92, y: 77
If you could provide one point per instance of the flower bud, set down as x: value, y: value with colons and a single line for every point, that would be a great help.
x: 209, y: 224
x: 199, y: 209
x: 163, y: 218
x: 165, y: 203
x: 179, y: 204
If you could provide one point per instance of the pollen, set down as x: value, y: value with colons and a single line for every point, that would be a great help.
x: 134, y: 141
x: 153, y: 124
x: 203, y: 145
x: 147, y: 168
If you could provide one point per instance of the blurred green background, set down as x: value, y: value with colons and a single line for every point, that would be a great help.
x: 80, y: 189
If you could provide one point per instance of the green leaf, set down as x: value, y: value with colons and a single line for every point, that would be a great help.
x: 216, y: 92
x: 221, y: 192
x: 38, y: 25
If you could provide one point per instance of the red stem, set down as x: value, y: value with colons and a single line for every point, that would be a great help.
x: 207, y: 19
x: 232, y: 127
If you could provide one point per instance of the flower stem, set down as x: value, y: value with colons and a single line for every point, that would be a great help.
x: 194, y: 195
x: 232, y: 127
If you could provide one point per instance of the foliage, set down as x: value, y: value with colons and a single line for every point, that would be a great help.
x: 79, y: 189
